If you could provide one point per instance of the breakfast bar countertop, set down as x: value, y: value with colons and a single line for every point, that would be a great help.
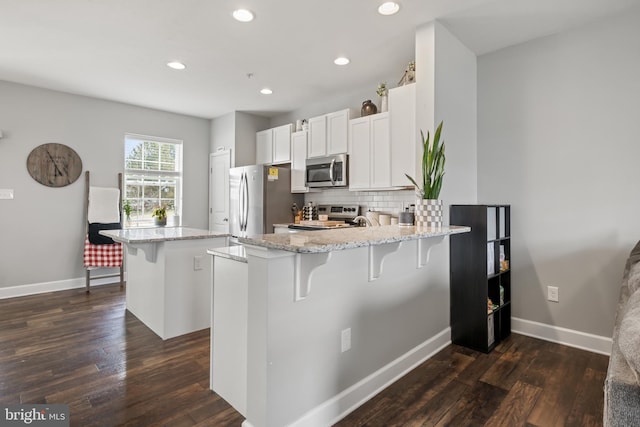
x: 347, y: 238
x: 236, y: 253
x: 159, y: 234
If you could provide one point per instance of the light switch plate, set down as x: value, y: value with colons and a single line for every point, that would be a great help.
x: 345, y: 340
x: 6, y: 193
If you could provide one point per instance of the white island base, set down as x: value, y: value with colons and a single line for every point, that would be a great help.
x: 328, y: 323
x: 169, y: 277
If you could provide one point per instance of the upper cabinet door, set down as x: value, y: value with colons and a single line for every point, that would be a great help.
x: 359, y: 160
x: 282, y: 144
x: 380, y: 151
x: 369, y: 159
x: 407, y: 148
x: 317, y: 144
x: 264, y: 147
x: 337, y: 132
x: 298, y: 162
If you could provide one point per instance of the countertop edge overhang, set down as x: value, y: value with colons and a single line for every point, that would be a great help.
x: 335, y: 240
x: 159, y: 234
x: 236, y: 253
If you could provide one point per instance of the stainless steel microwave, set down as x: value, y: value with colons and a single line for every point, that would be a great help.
x: 331, y: 171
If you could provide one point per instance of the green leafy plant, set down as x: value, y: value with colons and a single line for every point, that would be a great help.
x: 127, y: 209
x: 159, y: 212
x: 433, y: 159
x: 382, y: 89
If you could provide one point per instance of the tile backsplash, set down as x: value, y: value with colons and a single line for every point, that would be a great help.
x: 389, y: 202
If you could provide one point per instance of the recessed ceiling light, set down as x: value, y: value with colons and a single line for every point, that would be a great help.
x: 243, y: 15
x: 266, y: 91
x: 176, y: 65
x: 388, y: 8
x: 341, y: 61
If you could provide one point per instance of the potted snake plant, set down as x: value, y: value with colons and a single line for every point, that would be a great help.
x: 428, y: 207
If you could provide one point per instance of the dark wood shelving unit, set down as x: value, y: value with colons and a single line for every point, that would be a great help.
x: 478, y: 275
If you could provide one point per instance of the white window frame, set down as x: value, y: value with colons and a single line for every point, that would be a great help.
x: 155, y: 174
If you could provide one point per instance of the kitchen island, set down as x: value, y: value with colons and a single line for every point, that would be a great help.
x: 326, y: 319
x: 168, y: 276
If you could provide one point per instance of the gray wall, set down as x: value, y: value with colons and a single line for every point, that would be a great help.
x: 223, y: 132
x: 558, y: 139
x: 236, y: 131
x: 246, y: 127
x: 42, y: 228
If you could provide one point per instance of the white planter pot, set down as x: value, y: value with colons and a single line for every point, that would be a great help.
x: 428, y: 213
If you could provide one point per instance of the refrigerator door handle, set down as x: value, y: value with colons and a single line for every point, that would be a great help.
x: 246, y: 201
x: 333, y: 163
x: 241, y: 202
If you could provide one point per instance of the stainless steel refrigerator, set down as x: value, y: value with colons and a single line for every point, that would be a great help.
x: 259, y: 197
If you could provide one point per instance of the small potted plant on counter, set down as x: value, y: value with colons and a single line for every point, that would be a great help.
x: 126, y: 208
x: 428, y: 206
x: 159, y: 216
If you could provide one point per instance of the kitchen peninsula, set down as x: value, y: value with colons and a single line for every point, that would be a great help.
x: 168, y: 277
x: 324, y: 319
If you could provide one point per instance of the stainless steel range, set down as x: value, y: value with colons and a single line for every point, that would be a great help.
x: 338, y: 216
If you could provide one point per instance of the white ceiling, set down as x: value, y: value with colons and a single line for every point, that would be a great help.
x: 117, y: 49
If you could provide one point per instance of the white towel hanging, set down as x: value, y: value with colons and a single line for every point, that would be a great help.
x: 104, y: 205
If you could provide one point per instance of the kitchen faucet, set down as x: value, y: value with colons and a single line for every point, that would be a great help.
x: 360, y: 217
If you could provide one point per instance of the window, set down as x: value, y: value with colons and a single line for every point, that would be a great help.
x: 152, y: 176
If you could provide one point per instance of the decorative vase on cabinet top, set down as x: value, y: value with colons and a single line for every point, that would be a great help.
x: 384, y: 104
x: 368, y: 108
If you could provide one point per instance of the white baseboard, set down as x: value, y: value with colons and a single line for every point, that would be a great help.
x: 333, y: 410
x: 570, y: 337
x: 59, y: 285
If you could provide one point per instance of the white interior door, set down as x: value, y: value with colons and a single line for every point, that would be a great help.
x: 219, y: 163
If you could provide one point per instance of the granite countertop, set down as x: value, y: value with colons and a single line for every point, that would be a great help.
x: 346, y: 238
x: 159, y: 234
x: 236, y: 253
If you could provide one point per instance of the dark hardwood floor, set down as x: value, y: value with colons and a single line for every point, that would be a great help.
x: 523, y: 382
x: 87, y: 352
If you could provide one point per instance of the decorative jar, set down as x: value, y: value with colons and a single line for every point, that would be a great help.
x: 368, y: 108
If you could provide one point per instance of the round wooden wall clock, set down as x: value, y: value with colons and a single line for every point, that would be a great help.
x: 54, y: 165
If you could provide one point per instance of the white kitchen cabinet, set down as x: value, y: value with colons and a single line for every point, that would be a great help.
x: 337, y: 132
x: 273, y: 146
x: 298, y: 162
x: 264, y: 147
x: 282, y: 144
x: 406, y: 156
x: 328, y: 134
x: 370, y: 152
x: 229, y: 337
x: 317, y: 144
x: 360, y: 153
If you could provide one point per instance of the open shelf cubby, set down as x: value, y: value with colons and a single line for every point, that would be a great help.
x: 480, y: 273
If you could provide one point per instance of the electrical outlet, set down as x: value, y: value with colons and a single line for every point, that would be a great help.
x: 6, y: 193
x: 345, y: 341
x: 553, y: 294
x: 197, y: 262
